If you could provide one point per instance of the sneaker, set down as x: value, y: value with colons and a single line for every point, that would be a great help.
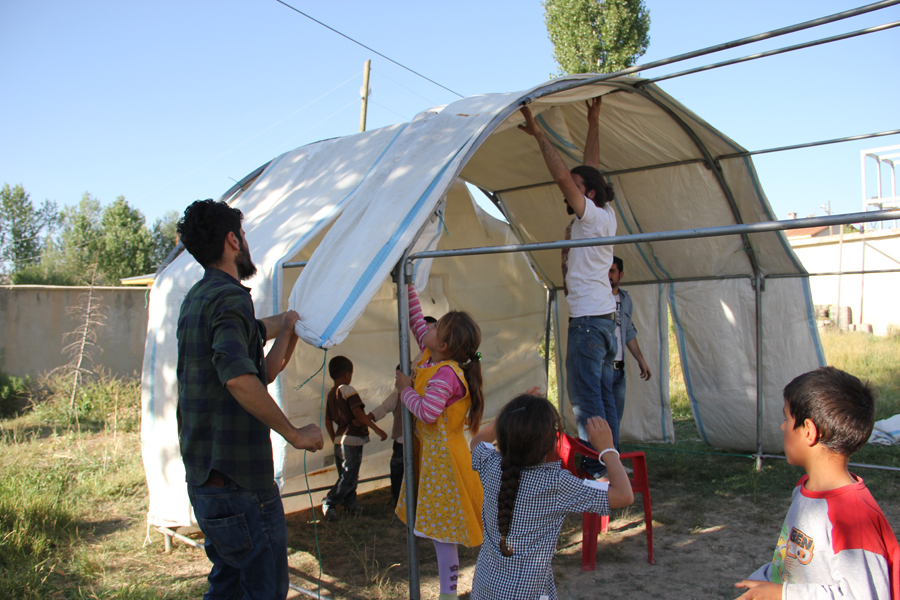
x: 354, y: 509
x: 330, y: 513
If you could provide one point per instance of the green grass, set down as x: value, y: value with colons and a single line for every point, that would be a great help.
x: 73, y: 497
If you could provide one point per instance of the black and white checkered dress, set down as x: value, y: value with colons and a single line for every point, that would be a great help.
x: 546, y: 494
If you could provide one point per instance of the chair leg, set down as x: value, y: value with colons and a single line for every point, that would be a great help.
x: 648, y: 521
x: 604, y: 523
x: 590, y: 523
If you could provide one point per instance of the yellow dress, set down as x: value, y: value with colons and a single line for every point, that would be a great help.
x: 448, y: 490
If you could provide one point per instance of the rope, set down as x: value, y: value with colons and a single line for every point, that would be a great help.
x: 306, y: 476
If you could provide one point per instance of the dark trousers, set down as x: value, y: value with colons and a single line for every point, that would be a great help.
x: 347, y: 459
x: 396, y: 471
x: 246, y: 541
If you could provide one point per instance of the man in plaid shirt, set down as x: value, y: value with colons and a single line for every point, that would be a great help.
x: 225, y: 412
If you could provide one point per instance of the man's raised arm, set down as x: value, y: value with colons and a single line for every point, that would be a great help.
x: 592, y: 144
x: 555, y: 164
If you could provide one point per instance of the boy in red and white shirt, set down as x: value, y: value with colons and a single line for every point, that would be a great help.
x: 835, y: 541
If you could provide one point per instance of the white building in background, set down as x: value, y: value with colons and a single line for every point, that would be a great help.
x: 873, y: 297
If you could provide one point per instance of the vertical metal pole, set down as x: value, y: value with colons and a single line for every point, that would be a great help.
x: 837, y: 322
x: 547, y: 338
x: 365, y: 97
x: 759, y: 282
x: 862, y: 276
x: 408, y: 448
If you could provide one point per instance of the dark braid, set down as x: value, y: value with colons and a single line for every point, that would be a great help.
x: 506, y: 501
x: 527, y: 430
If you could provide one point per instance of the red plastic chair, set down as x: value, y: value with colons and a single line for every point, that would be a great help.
x: 593, y: 523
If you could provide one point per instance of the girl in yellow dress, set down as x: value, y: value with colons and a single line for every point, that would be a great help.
x: 445, y: 397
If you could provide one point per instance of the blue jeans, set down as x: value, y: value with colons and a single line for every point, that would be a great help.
x: 589, y: 368
x: 347, y: 459
x: 618, y: 389
x: 246, y: 541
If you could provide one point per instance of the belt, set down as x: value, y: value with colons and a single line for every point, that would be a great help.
x: 619, y: 365
x: 610, y: 316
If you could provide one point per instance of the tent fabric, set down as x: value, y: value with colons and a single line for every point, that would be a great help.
x: 353, y: 206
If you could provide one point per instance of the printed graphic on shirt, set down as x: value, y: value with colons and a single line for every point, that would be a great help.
x: 793, y: 548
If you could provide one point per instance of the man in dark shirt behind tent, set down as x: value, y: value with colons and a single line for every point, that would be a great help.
x: 225, y: 413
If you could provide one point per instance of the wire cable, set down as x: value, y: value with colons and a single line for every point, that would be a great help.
x: 367, y: 48
x: 429, y: 100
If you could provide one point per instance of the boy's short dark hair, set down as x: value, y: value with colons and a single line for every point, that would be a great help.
x: 619, y: 264
x: 339, y: 366
x: 203, y: 229
x: 840, y: 405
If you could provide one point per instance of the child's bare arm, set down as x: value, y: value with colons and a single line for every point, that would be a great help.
x: 759, y: 590
x: 329, y: 425
x: 600, y: 436
x: 360, y: 414
x: 487, y: 433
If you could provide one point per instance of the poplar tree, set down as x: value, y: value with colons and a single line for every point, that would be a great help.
x: 597, y: 36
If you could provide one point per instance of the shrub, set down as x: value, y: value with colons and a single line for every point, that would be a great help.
x: 14, y: 394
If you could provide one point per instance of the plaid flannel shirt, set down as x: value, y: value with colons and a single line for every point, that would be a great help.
x: 219, y: 338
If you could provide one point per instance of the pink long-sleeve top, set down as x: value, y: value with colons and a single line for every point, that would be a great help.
x: 443, y: 389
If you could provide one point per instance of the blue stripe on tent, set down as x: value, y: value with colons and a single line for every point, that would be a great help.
x: 811, y: 319
x: 434, y: 240
x: 618, y: 208
x: 684, y: 366
x: 152, y: 402
x: 563, y: 145
x: 765, y: 205
x: 663, y: 334
x: 518, y: 233
x: 382, y: 256
x: 566, y: 143
x: 296, y: 246
x: 561, y: 395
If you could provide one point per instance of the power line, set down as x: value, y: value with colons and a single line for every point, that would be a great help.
x: 367, y: 48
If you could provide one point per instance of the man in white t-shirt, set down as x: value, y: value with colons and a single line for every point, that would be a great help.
x: 626, y: 336
x: 591, y: 348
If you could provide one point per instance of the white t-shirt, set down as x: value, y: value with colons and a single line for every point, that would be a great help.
x: 588, y: 275
x: 620, y: 347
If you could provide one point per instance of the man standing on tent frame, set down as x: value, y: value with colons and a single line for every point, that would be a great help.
x: 591, y: 348
x: 225, y: 413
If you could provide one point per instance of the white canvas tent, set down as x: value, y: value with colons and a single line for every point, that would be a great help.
x: 353, y: 206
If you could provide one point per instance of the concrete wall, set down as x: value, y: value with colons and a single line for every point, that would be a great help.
x: 872, y: 298
x: 34, y: 319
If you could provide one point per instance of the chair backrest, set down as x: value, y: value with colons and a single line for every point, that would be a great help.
x: 567, y: 447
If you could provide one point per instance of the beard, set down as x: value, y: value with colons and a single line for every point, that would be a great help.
x: 245, y: 267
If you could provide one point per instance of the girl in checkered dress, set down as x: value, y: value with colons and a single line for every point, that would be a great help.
x: 445, y: 397
x: 527, y: 496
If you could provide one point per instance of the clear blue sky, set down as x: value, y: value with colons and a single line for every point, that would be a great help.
x: 168, y: 101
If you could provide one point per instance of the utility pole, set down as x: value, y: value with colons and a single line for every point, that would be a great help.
x: 365, y: 96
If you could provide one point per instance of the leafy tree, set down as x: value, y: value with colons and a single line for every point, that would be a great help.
x: 77, y: 245
x: 597, y: 36
x: 164, y: 237
x: 126, y: 246
x: 21, y: 225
